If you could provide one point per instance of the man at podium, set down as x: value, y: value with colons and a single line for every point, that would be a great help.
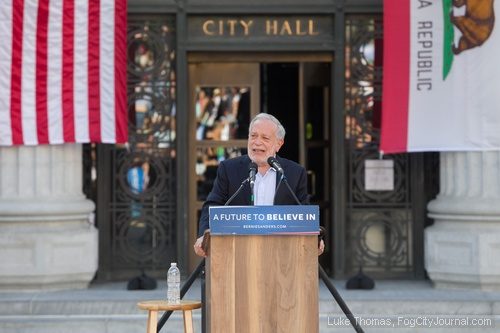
x: 254, y: 179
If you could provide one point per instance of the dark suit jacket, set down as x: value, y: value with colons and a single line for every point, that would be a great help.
x: 231, y: 173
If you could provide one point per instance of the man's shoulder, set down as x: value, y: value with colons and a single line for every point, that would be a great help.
x: 236, y: 161
x: 286, y: 163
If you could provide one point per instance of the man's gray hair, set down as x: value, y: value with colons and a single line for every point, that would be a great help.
x: 280, y: 132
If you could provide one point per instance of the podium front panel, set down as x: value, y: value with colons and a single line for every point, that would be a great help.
x: 262, y: 284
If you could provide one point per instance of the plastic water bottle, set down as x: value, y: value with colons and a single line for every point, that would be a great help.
x: 174, y: 284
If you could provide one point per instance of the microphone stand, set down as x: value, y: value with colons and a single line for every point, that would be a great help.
x: 252, y: 197
x: 323, y: 274
x: 283, y: 178
x: 237, y: 191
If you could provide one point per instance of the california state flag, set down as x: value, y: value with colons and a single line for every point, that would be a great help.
x: 441, y: 84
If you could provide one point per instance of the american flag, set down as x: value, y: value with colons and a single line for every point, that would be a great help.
x: 63, y: 71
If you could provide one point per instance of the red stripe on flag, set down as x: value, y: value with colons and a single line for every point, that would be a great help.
x: 41, y: 71
x: 121, y: 130
x: 16, y: 71
x: 93, y: 71
x: 67, y: 71
x: 394, y: 133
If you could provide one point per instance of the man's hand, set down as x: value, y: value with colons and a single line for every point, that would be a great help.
x: 321, y: 247
x: 198, y: 249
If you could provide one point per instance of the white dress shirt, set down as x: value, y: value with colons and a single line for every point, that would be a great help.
x: 264, y: 188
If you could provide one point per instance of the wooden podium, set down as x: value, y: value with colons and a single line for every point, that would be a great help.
x: 262, y: 283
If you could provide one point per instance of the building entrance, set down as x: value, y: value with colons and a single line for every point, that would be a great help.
x: 226, y: 91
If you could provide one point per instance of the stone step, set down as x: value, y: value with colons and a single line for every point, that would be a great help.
x: 111, y: 308
x: 326, y: 307
x: 134, y: 323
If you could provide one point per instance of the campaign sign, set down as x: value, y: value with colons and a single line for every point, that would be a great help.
x: 264, y: 220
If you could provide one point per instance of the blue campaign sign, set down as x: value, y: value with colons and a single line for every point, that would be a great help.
x: 264, y: 220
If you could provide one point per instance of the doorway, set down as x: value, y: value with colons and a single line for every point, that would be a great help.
x: 226, y: 91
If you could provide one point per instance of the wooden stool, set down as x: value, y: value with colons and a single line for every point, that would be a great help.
x: 154, y: 306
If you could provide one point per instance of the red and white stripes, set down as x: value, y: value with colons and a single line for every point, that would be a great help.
x: 63, y: 71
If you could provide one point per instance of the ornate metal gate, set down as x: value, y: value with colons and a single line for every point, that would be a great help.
x: 136, y: 198
x: 383, y: 228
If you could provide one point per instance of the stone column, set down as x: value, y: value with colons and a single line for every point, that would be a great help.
x: 46, y: 240
x: 462, y: 248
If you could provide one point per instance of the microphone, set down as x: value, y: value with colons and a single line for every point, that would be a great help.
x: 252, y: 171
x: 275, y: 164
